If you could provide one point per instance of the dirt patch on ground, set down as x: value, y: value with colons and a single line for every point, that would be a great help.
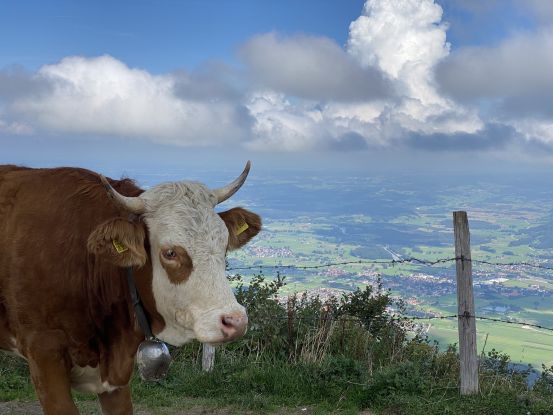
x: 20, y: 408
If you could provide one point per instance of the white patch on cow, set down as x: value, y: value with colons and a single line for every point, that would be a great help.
x: 181, y: 214
x: 14, y: 350
x: 109, y: 388
x: 87, y: 379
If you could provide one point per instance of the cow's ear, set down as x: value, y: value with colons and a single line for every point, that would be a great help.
x: 242, y: 226
x: 119, y: 241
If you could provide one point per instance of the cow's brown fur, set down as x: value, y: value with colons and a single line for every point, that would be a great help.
x: 117, y: 402
x: 178, y: 269
x: 62, y: 304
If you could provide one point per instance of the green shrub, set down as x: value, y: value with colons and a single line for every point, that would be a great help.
x: 403, y: 378
x: 307, y: 329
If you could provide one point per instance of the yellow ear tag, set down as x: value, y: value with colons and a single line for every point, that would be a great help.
x: 119, y: 247
x: 242, y: 228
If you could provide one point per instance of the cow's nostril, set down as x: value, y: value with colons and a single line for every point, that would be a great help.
x: 233, y: 325
x: 227, y: 321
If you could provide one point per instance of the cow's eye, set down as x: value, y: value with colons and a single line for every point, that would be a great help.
x: 169, y: 254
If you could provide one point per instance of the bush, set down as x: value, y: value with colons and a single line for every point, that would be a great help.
x: 309, y: 329
x: 403, y: 378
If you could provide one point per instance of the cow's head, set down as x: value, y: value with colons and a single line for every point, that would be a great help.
x: 188, y: 243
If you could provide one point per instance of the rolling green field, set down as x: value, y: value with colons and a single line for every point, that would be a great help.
x: 524, y: 344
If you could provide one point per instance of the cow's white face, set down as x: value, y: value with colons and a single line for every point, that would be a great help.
x: 188, y: 244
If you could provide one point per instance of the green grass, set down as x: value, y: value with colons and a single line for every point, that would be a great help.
x: 260, y: 386
x: 425, y: 384
x: 254, y: 385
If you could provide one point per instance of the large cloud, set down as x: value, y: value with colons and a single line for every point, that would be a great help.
x: 509, y: 82
x: 515, y: 74
x: 405, y: 39
x: 311, y: 67
x: 401, y: 40
x: 104, y: 96
x: 303, y: 93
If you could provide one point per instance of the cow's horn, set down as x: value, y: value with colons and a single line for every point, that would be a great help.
x: 223, y: 193
x: 132, y: 204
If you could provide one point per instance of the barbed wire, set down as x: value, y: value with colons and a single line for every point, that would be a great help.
x: 401, y: 317
x: 410, y: 260
x: 512, y: 264
x: 497, y: 320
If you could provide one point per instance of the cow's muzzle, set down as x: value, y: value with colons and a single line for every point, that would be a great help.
x: 233, y: 325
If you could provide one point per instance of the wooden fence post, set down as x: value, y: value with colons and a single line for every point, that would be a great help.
x: 291, y: 312
x: 208, y: 357
x: 465, y: 306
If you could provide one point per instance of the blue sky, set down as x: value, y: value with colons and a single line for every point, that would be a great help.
x: 160, y: 36
x: 344, y: 81
x: 166, y: 35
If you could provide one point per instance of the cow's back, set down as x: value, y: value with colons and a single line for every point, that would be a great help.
x: 46, y: 216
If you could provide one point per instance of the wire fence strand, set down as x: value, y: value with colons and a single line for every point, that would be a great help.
x: 497, y: 320
x: 513, y: 264
x: 356, y: 320
x: 411, y: 260
x: 392, y: 262
x: 415, y: 261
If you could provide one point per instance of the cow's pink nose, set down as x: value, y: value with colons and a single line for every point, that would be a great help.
x: 233, y: 325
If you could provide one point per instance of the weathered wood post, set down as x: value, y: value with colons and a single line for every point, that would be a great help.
x: 291, y: 311
x: 465, y: 305
x: 208, y: 357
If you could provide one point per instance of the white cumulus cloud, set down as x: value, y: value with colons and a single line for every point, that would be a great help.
x: 402, y: 40
x: 102, y: 95
x: 283, y: 126
x: 406, y: 39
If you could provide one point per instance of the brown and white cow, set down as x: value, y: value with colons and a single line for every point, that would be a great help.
x: 64, y: 300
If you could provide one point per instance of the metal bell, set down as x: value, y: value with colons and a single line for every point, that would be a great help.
x: 153, y: 360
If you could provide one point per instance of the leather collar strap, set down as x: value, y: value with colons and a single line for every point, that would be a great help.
x: 138, y: 309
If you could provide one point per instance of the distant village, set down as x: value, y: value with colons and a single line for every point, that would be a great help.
x: 416, y: 289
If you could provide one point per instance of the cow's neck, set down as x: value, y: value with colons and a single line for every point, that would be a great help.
x: 139, y: 311
x: 118, y: 364
x: 143, y: 280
